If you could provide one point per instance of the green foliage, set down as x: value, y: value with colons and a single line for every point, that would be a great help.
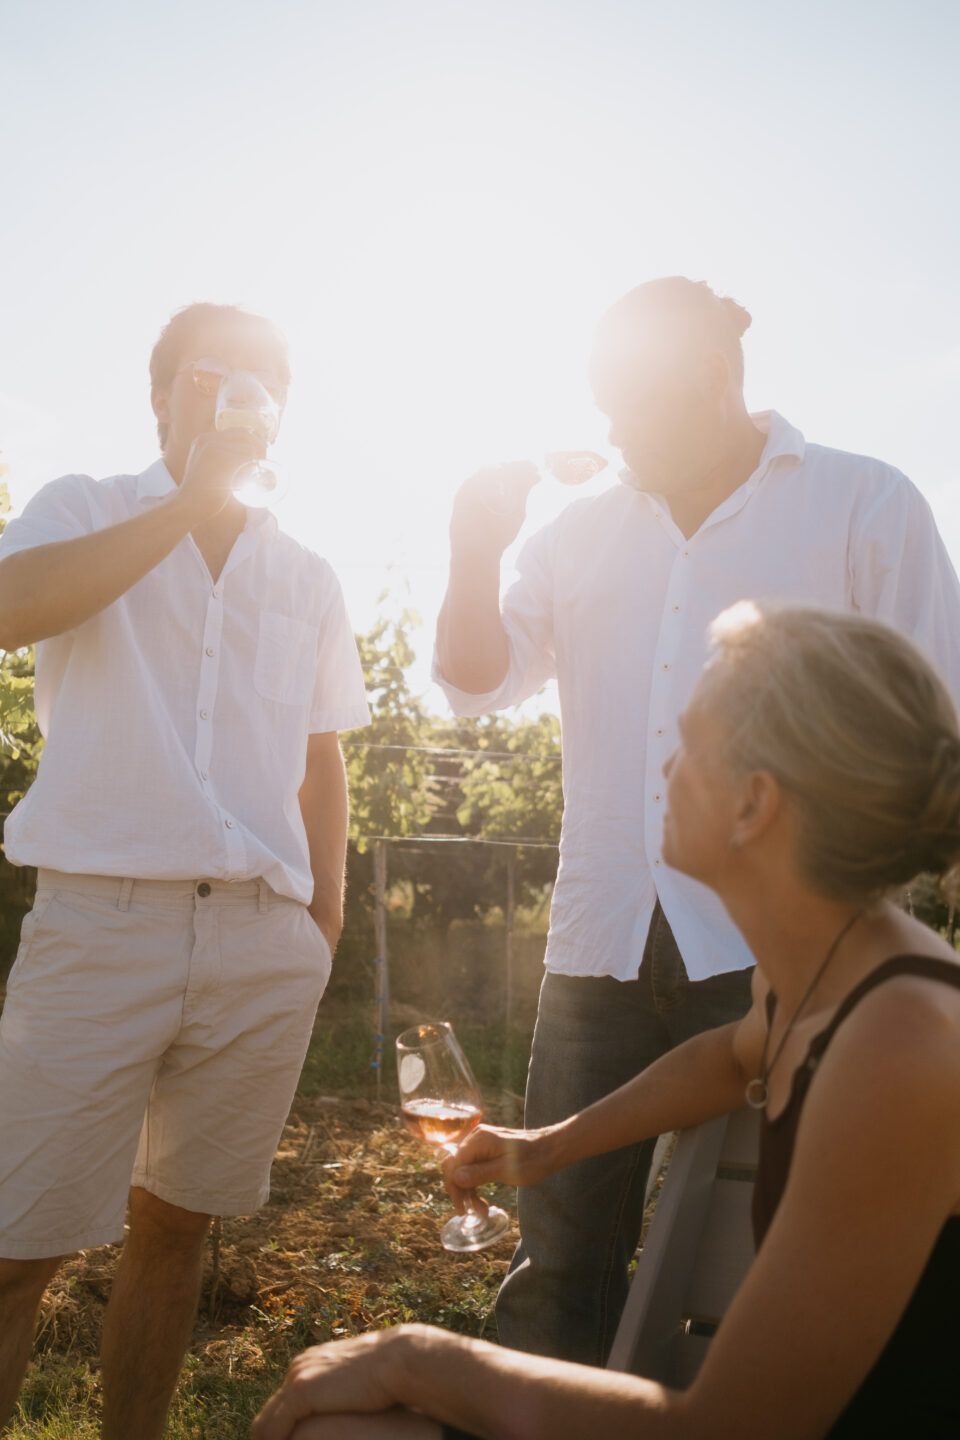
x: 389, y: 790
x: 423, y: 791
x: 514, y: 799
x: 520, y: 799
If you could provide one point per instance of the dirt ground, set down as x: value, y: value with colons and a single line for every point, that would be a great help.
x: 348, y: 1242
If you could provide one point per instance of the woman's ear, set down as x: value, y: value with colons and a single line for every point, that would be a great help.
x: 758, y: 806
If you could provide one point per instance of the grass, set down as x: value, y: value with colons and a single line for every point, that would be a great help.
x: 348, y: 1243
x: 343, y: 1046
x: 61, y: 1401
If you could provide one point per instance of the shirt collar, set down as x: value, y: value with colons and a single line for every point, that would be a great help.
x: 155, y: 482
x: 783, y: 440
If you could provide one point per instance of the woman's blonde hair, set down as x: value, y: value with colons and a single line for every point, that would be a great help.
x: 858, y: 729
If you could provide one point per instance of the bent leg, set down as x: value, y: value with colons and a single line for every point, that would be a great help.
x: 568, y: 1280
x: 150, y: 1316
x: 22, y: 1283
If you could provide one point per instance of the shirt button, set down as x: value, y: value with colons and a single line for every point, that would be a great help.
x: 656, y: 862
x: 216, y: 594
x: 658, y: 797
x: 229, y: 824
x: 666, y: 666
x: 676, y: 609
x: 203, y: 774
x: 659, y: 732
x: 204, y: 714
x: 209, y: 649
x: 203, y: 889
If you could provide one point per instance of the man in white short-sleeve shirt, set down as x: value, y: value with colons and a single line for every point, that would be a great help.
x: 194, y: 665
x: 614, y: 599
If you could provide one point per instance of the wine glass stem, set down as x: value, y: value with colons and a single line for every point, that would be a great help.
x: 474, y: 1215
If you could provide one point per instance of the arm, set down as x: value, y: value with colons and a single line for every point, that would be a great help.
x: 325, y: 811
x: 901, y: 573
x: 472, y: 645
x: 821, y: 1300
x: 483, y: 1389
x: 697, y: 1081
x: 48, y: 589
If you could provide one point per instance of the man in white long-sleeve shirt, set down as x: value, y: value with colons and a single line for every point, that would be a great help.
x: 614, y: 599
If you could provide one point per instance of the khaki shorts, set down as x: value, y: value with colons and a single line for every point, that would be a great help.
x: 153, y: 1034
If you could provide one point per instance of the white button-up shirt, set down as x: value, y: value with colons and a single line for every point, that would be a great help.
x: 176, y: 720
x: 614, y: 601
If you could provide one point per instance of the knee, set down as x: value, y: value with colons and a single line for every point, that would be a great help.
x: 155, y: 1222
x: 27, y: 1279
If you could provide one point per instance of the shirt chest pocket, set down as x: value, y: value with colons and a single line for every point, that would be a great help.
x: 286, y: 662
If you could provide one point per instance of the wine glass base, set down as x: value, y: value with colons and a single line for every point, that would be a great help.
x: 474, y: 1232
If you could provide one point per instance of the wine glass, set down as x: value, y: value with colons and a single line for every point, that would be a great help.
x: 568, y: 467
x: 243, y: 403
x: 440, y: 1103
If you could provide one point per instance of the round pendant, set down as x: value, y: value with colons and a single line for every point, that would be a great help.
x: 756, y: 1094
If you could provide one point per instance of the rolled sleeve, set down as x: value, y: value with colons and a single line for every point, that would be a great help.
x: 61, y: 510
x: 902, y: 574
x: 527, y: 616
x: 339, y: 695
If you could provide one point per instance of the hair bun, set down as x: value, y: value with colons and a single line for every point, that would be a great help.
x: 938, y: 833
x: 739, y: 318
x: 945, y: 776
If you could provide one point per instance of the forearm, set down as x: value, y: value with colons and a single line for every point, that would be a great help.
x: 53, y: 588
x: 500, y: 1394
x: 325, y: 810
x: 695, y: 1082
x: 471, y: 641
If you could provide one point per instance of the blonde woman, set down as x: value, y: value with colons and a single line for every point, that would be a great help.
x: 818, y: 770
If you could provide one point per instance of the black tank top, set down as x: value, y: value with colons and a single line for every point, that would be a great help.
x: 913, y: 1390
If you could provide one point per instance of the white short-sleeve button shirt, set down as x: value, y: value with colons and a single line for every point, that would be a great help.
x: 615, y: 602
x: 176, y: 720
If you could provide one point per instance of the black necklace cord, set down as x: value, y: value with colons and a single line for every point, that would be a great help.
x: 756, y: 1091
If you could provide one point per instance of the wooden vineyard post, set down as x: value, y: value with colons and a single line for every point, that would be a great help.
x: 510, y: 916
x: 382, y: 996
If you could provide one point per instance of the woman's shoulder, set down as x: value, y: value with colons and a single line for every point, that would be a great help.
x: 903, y: 1021
x: 926, y: 979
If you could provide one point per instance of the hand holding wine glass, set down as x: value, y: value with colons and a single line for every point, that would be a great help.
x: 493, y: 1154
x: 490, y: 506
x: 441, y: 1103
x: 244, y: 404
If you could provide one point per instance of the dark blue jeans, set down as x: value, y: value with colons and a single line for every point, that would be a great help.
x: 567, y: 1283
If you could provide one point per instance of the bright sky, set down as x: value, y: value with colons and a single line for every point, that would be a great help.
x: 437, y: 199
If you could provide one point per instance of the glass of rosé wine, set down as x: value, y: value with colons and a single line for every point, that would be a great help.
x: 440, y: 1103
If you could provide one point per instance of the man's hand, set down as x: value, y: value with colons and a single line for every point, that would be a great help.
x: 512, y: 1157
x: 346, y: 1377
x: 329, y: 921
x: 213, y: 461
x: 490, y: 508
